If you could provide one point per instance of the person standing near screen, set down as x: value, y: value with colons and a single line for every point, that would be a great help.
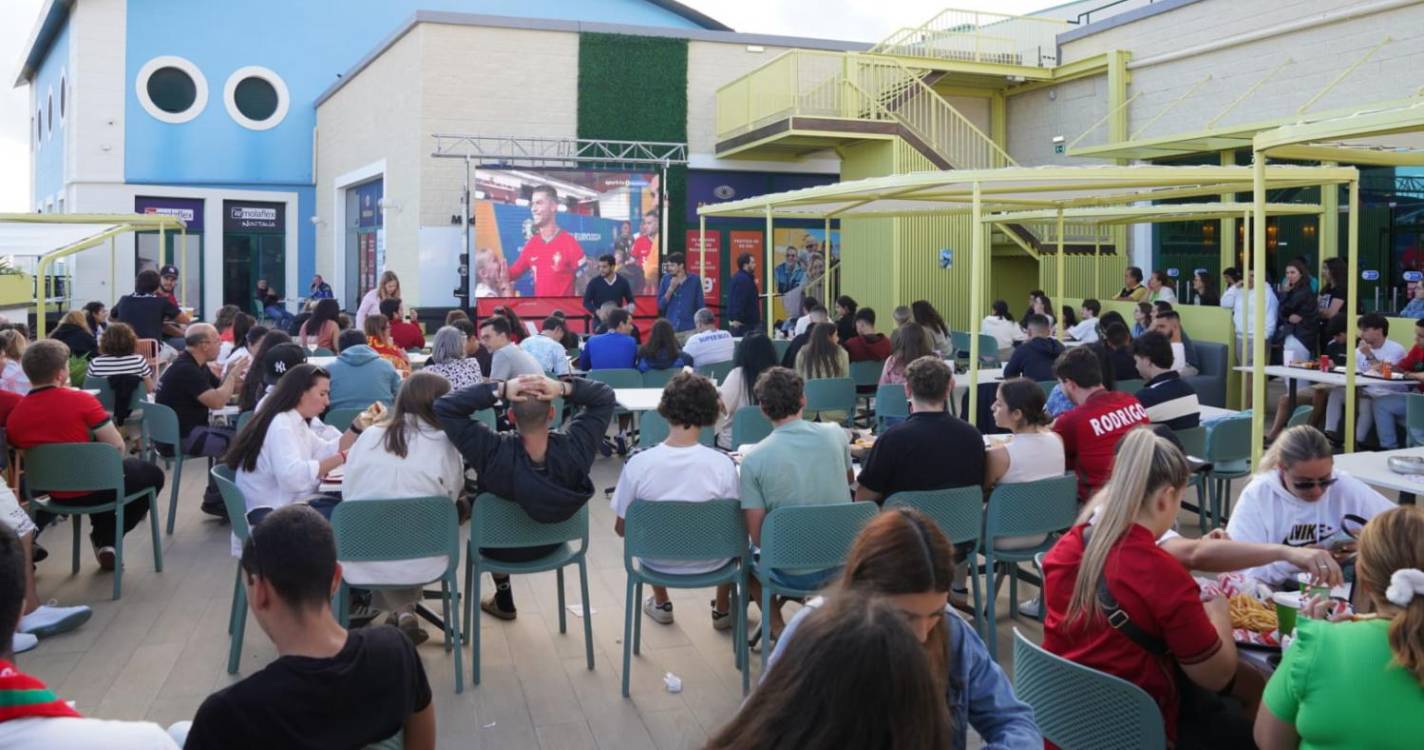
x: 647, y: 246
x: 553, y: 253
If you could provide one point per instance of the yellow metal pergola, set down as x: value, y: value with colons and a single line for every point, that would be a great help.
x: 107, y: 228
x: 1042, y: 193
x: 1390, y: 134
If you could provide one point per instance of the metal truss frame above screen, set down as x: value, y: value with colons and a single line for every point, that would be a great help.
x: 552, y: 153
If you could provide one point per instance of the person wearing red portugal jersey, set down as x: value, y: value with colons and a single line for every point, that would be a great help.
x: 647, y: 246
x: 1092, y: 429
x: 553, y: 253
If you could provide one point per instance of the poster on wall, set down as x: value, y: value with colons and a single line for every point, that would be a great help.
x: 540, y: 233
x: 706, y: 262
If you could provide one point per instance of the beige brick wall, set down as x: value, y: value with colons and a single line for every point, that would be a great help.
x: 1319, y: 54
x: 711, y: 65
x: 375, y: 116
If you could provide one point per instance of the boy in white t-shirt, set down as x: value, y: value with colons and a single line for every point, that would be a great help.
x: 1087, y: 329
x: 1375, y: 349
x: 680, y: 468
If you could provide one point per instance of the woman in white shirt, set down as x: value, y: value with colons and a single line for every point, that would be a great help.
x: 1002, y: 326
x: 12, y: 376
x: 1034, y: 452
x: 282, y: 454
x: 387, y: 287
x: 404, y: 454
x: 754, y: 355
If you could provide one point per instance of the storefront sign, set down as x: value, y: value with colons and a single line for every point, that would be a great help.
x: 705, y: 261
x: 1370, y: 275
x: 189, y: 210
x: 248, y: 217
x: 1174, y: 272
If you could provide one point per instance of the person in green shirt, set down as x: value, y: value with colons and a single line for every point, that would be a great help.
x: 799, y: 463
x: 1358, y: 684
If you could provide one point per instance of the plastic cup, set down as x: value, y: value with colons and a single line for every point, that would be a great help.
x: 1287, y: 608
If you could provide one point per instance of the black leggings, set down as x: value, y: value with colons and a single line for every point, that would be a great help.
x: 138, y: 475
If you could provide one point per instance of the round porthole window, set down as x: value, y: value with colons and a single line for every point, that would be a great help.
x: 256, y: 97
x: 172, y: 89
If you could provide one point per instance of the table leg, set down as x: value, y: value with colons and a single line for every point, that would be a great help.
x: 1406, y: 498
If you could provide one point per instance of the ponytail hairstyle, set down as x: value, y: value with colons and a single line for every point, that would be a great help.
x: 1392, y: 546
x: 1299, y: 443
x: 902, y: 551
x: 1145, y: 464
x: 1024, y: 395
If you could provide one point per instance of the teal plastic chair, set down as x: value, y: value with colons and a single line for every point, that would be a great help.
x: 684, y: 532
x: 804, y: 537
x: 1301, y: 415
x: 653, y: 429
x: 959, y: 340
x: 237, y: 516
x: 989, y: 350
x: 106, y: 394
x: 487, y: 417
x: 243, y: 419
x: 391, y: 530
x: 890, y: 401
x: 1129, y: 386
x: 88, y: 467
x: 617, y: 377
x: 781, y: 346
x: 496, y: 523
x: 717, y: 372
x: 749, y: 425
x: 160, y: 424
x: 831, y: 394
x: 866, y: 376
x: 959, y: 514
x: 1047, y: 507
x: 322, y: 352
x: 1413, y: 418
x: 1079, y: 707
x: 1193, y: 441
x: 1228, y: 448
x: 659, y: 378
x: 341, y: 419
x: 1047, y: 386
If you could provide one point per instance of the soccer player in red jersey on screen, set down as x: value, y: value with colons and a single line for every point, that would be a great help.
x: 553, y: 253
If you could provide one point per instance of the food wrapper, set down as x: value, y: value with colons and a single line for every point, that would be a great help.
x: 1227, y: 585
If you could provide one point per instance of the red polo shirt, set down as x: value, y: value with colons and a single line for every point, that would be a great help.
x: 407, y: 335
x: 1155, y: 591
x: 1090, y: 433
x: 554, y: 262
x: 51, y: 414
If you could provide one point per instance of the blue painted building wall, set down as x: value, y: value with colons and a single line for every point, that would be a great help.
x: 49, y: 151
x: 306, y: 42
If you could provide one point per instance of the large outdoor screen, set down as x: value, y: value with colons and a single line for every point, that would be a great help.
x: 541, y: 233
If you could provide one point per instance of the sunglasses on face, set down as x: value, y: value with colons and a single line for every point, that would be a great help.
x: 1305, y: 485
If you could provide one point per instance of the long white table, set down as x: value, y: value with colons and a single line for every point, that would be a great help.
x: 1372, y: 468
x: 1209, y: 413
x: 1334, y: 377
x: 638, y: 399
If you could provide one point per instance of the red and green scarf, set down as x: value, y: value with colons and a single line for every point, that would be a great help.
x: 24, y: 697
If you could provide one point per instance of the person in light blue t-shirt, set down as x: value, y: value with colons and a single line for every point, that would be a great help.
x: 547, y: 348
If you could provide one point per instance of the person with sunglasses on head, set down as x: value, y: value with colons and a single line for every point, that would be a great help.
x: 1298, y: 499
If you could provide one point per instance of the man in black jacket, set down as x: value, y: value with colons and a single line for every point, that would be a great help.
x: 742, y: 307
x: 544, y: 471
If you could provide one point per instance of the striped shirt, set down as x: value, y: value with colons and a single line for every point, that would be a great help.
x: 106, y: 366
x: 1171, y: 401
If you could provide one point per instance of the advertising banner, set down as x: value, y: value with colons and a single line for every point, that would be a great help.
x: 244, y: 216
x: 706, y: 262
x: 189, y: 210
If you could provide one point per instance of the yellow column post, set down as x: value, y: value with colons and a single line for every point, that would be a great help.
x: 1352, y: 249
x: 1227, y: 228
x: 182, y: 277
x: 1246, y: 262
x: 162, y: 248
x: 1098, y: 270
x: 976, y: 299
x: 826, y: 269
x: 1058, y: 290
x: 113, y: 268
x: 1329, y: 221
x: 1118, y: 79
x: 770, y: 275
x: 1258, y: 293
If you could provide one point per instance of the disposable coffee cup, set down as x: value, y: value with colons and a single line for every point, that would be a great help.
x: 1310, y: 589
x: 1287, y: 608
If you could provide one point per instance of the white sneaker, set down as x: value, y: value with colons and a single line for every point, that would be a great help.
x: 22, y: 642
x: 1032, y: 608
x: 661, y: 613
x: 50, y: 619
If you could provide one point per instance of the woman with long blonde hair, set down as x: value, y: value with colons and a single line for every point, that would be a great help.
x: 387, y: 287
x: 1118, y: 603
x: 902, y: 556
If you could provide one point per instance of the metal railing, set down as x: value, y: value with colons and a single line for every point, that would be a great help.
x: 804, y: 83
x: 979, y: 37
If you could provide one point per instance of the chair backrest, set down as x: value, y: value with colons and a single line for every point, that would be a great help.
x: 659, y: 378
x: 1229, y: 439
x: 891, y: 401
x: 1193, y: 440
x: 653, y: 429
x: 866, y: 373
x: 988, y: 348
x: 1039, y: 507
x: 487, y: 416
x: 243, y: 419
x: 160, y: 423
x: 830, y: 394
x: 680, y: 530
x: 781, y: 346
x: 1079, y: 707
x: 749, y: 425
x: 1047, y: 386
x: 617, y: 377
x: 106, y: 393
x: 1413, y: 416
x: 1129, y: 386
x: 718, y: 371
x: 397, y: 529
x: 812, y: 536
x: 341, y: 418
x: 226, y: 480
x: 959, y: 512
x: 322, y: 351
x: 73, y: 467
x: 499, y: 523
x: 960, y: 341
x: 1301, y: 415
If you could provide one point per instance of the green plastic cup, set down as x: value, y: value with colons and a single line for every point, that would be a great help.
x: 1287, y: 608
